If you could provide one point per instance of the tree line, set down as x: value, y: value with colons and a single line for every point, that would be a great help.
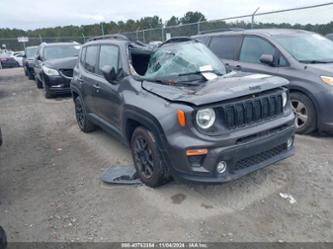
x: 132, y: 26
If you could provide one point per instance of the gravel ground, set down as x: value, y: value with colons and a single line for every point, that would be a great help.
x: 50, y: 188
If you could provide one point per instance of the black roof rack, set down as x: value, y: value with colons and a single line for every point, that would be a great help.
x: 177, y: 39
x: 114, y: 36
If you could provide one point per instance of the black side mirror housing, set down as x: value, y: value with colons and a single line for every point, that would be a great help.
x: 39, y: 58
x: 267, y: 59
x: 110, y: 74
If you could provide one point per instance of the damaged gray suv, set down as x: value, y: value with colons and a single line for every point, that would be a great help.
x: 179, y: 111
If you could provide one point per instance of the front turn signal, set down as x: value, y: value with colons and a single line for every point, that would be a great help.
x: 181, y: 118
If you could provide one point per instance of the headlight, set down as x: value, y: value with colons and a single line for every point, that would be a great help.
x: 205, y: 118
x: 284, y: 99
x: 327, y: 79
x: 49, y: 71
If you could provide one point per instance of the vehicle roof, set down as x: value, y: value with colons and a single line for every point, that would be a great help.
x: 59, y: 44
x: 268, y: 32
x: 111, y: 41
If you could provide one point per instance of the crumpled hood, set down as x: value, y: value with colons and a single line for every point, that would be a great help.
x: 64, y: 63
x: 229, y: 86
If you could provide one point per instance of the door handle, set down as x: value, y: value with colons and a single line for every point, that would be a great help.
x: 238, y: 67
x: 96, y: 86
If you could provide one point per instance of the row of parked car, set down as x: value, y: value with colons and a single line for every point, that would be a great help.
x: 210, y: 108
x: 10, y: 59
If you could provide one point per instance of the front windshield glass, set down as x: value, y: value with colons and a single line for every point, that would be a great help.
x: 63, y: 51
x: 307, y: 48
x: 183, y: 62
x: 31, y: 52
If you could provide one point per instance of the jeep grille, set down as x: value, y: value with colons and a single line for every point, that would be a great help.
x: 256, y: 109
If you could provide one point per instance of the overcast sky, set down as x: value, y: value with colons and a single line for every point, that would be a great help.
x: 44, y: 13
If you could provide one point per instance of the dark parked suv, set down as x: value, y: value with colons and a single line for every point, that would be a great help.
x: 28, y: 62
x: 304, y: 58
x: 179, y: 111
x: 53, y: 67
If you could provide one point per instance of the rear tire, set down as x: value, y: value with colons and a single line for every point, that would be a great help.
x: 83, y: 122
x: 306, y: 119
x: 147, y: 159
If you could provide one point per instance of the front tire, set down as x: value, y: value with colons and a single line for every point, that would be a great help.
x: 48, y: 94
x: 147, y: 159
x: 30, y: 75
x: 3, y: 238
x: 306, y: 119
x: 1, y: 140
x: 83, y: 122
x: 39, y: 84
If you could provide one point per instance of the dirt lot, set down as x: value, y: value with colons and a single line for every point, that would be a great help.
x: 50, y: 188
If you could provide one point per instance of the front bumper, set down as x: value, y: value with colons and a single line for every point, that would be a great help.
x: 57, y: 84
x: 241, y: 158
x: 325, y: 114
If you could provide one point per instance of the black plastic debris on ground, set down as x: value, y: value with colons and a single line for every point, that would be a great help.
x: 121, y: 174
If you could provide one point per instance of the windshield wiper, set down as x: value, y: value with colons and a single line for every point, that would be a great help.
x: 200, y: 72
x: 315, y: 61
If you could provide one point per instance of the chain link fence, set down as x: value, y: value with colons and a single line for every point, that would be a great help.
x: 286, y: 18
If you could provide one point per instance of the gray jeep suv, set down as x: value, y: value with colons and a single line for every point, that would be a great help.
x: 179, y: 111
x: 302, y: 57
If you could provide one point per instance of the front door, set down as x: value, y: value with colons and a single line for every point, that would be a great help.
x: 108, y: 102
x: 253, y: 47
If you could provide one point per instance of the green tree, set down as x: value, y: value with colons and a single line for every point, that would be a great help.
x: 192, y: 17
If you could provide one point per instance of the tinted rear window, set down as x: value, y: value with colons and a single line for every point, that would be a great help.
x: 225, y: 47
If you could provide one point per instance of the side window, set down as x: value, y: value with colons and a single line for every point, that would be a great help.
x: 282, y: 62
x: 83, y: 55
x: 109, y: 56
x: 91, y: 58
x: 253, y: 48
x: 226, y: 47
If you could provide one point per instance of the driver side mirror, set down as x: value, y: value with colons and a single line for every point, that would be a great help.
x: 39, y: 58
x: 267, y: 59
x: 110, y: 74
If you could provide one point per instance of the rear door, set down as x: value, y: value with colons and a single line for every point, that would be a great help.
x: 89, y: 78
x: 108, y: 102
